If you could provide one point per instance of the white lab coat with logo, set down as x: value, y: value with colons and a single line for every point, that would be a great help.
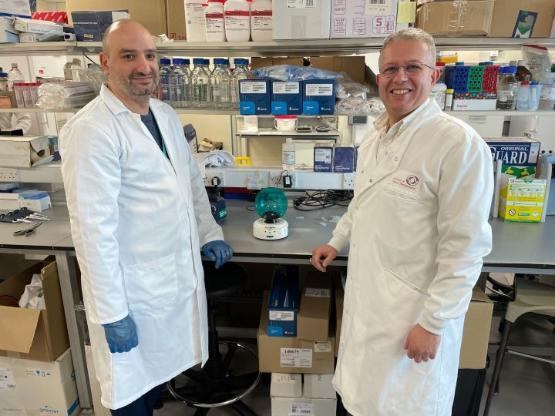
x: 138, y: 221
x: 418, y: 229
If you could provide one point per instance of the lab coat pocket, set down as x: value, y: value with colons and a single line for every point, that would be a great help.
x: 152, y: 286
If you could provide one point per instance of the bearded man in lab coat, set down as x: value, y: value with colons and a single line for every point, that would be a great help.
x: 418, y: 230
x: 139, y: 217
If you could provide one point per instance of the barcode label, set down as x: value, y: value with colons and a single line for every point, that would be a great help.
x: 316, y: 292
x: 301, y: 4
x: 301, y: 409
x: 7, y: 381
x: 378, y: 7
x: 322, y: 346
x: 295, y: 357
x: 282, y: 315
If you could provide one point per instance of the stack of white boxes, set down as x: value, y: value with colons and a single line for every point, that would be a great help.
x: 291, y: 395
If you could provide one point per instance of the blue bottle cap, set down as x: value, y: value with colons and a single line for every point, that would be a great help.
x: 165, y: 61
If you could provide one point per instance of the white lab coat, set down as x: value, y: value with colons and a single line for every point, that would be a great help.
x: 418, y: 229
x: 14, y: 121
x: 138, y: 222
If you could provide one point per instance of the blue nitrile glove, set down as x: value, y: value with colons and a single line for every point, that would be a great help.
x: 121, y: 335
x: 218, y: 251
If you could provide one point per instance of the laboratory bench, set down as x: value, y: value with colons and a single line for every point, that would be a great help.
x: 517, y: 248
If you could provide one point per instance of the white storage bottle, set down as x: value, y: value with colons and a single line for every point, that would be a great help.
x: 195, y: 21
x: 214, y: 14
x: 261, y: 20
x: 237, y: 20
x: 288, y: 154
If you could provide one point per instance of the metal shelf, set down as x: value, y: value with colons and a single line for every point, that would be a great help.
x: 273, y: 48
x: 39, y: 110
x: 272, y: 132
x: 50, y: 173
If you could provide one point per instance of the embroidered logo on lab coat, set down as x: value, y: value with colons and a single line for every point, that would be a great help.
x: 404, y: 184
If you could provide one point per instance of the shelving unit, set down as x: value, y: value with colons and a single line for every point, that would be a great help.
x: 275, y: 48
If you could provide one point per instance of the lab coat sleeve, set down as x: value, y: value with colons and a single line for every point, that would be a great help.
x: 464, y: 234
x: 208, y: 228
x: 23, y: 122
x: 342, y: 231
x: 92, y: 179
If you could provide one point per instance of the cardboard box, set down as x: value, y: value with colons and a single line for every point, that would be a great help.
x: 291, y: 354
x: 158, y: 16
x: 287, y: 97
x: 24, y: 151
x: 314, y: 313
x: 286, y: 385
x: 353, y: 66
x: 21, y: 8
x: 447, y: 18
x: 301, y: 19
x: 362, y: 19
x: 522, y: 18
x: 514, y: 151
x: 255, y: 96
x: 319, y: 97
x: 37, y: 26
x: 318, y: 386
x: 31, y: 333
x: 287, y: 406
x: 476, y: 331
x: 30, y: 387
x: 522, y: 199
x: 339, y: 294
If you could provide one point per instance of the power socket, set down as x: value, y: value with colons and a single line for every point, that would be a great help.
x: 9, y: 175
x: 349, y: 180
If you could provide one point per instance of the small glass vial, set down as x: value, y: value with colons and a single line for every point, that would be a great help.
x: 449, y: 99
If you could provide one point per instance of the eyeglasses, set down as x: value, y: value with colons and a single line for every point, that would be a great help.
x: 410, y: 69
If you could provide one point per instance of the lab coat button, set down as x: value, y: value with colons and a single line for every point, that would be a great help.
x: 396, y: 159
x: 370, y: 180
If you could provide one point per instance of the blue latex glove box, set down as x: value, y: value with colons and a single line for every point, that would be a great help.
x: 318, y: 97
x: 283, y: 305
x: 255, y: 97
x: 287, y: 97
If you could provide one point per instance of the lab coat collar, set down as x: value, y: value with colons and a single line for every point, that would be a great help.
x: 114, y: 104
x: 381, y: 122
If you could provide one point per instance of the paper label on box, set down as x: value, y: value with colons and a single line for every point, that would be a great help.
x: 301, y: 4
x: 406, y: 12
x: 301, y: 409
x: 383, y: 25
x: 13, y: 412
x: 322, y: 346
x: 49, y: 411
x: 253, y: 87
x: 7, y: 381
x: 282, y: 378
x: 317, y: 292
x: 285, y: 88
x: 282, y: 316
x: 295, y: 357
x: 378, y: 7
x: 322, y: 90
x: 29, y: 372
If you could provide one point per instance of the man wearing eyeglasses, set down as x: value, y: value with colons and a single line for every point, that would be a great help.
x: 417, y: 230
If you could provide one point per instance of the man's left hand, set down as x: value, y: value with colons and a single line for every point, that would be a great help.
x: 218, y: 251
x: 421, y: 345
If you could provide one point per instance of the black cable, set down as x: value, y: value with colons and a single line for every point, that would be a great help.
x: 312, y: 201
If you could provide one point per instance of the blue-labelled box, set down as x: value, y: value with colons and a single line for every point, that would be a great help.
x: 287, y: 97
x: 344, y: 159
x: 255, y: 96
x: 90, y: 25
x: 283, y: 306
x: 323, y: 157
x: 318, y: 96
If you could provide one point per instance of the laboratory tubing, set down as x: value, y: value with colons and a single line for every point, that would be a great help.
x: 261, y: 20
x: 14, y: 75
x: 237, y: 20
x: 507, y: 88
x: 220, y: 83
x: 165, y: 71
x: 240, y: 72
x: 200, y: 79
x: 214, y: 13
x: 288, y: 154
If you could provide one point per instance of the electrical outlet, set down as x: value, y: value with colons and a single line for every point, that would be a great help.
x: 209, y: 176
x: 349, y: 180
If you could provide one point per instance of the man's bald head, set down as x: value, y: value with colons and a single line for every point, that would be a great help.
x: 118, y: 27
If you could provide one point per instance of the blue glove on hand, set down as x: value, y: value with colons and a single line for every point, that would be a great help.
x: 218, y: 251
x: 121, y: 335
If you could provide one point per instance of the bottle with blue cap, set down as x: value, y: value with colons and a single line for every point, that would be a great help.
x: 200, y: 80
x: 165, y: 71
x: 241, y: 71
x: 220, y: 84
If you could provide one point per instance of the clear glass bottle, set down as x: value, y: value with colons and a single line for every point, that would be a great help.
x: 187, y: 88
x: 288, y: 154
x: 219, y: 84
x: 177, y: 76
x: 523, y: 96
x: 241, y: 71
x: 507, y: 88
x: 165, y: 71
x: 200, y: 80
x: 14, y: 75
